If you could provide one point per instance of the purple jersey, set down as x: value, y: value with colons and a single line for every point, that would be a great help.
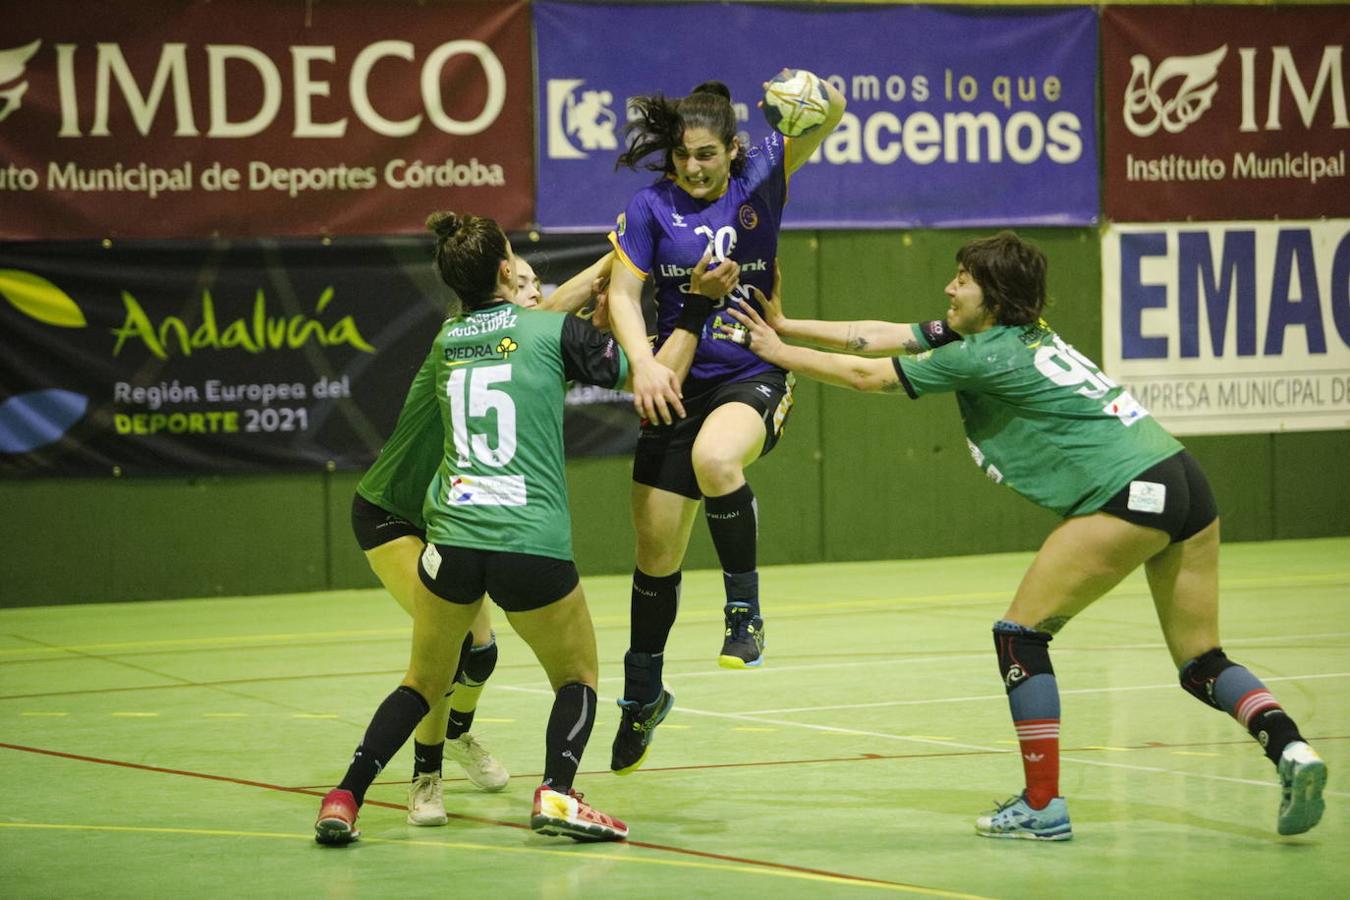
x: 664, y: 232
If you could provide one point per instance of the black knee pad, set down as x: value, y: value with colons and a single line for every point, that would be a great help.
x: 479, y: 664
x: 1198, y: 675
x: 1022, y: 653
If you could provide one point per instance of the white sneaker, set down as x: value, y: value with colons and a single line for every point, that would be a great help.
x: 426, y: 805
x: 482, y: 767
x: 1302, y: 777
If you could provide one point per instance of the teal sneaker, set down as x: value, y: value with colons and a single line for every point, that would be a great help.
x: 1016, y: 819
x: 744, y: 643
x: 1302, y: 777
x: 633, y: 741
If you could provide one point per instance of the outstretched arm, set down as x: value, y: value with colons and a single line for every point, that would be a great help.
x: 868, y: 337
x: 573, y: 293
x: 857, y: 373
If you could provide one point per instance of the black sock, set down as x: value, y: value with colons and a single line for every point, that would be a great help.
x: 654, y: 604
x: 569, y: 728
x: 642, y: 676
x: 459, y: 724
x: 427, y: 758
x: 734, y: 526
x: 389, y: 730
x: 1273, y: 730
x: 732, y: 522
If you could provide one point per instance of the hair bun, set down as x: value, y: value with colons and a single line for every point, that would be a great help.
x: 443, y: 224
x: 713, y: 87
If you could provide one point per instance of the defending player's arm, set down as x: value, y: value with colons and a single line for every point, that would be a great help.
x: 867, y: 337
x: 573, y: 293
x: 857, y: 373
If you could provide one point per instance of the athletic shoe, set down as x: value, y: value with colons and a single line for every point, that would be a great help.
x: 744, y: 643
x: 633, y: 740
x: 337, y: 818
x: 1302, y: 777
x: 482, y: 767
x: 567, y: 814
x: 426, y: 804
x: 1017, y: 819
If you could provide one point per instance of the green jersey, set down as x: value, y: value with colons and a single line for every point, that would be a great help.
x: 397, y: 480
x: 500, y: 374
x: 1040, y: 417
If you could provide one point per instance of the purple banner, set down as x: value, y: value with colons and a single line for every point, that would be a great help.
x: 955, y: 117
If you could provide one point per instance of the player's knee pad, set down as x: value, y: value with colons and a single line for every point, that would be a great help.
x: 1198, y: 675
x: 479, y: 665
x: 1022, y: 653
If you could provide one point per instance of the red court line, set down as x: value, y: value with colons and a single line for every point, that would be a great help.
x: 684, y: 851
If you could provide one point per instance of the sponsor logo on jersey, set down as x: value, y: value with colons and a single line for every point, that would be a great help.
x: 462, y: 355
x: 678, y: 220
x: 579, y: 120
x: 486, y: 490
x: 749, y: 219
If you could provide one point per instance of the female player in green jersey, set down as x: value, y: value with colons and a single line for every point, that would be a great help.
x: 1041, y: 418
x: 497, y: 520
x: 387, y: 521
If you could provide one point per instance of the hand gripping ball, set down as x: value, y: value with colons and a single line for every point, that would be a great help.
x: 795, y: 102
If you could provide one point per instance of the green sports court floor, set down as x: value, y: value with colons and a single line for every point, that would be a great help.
x: 178, y: 748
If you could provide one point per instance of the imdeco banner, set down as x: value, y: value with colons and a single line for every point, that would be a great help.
x: 1225, y: 112
x: 168, y: 119
x: 246, y: 356
x: 1231, y: 327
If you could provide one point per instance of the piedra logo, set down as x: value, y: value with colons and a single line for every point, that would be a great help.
x: 38, y: 418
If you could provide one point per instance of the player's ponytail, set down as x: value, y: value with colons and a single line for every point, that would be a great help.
x: 469, y: 250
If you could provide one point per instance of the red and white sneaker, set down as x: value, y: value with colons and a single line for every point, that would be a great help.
x: 567, y: 814
x: 336, y: 824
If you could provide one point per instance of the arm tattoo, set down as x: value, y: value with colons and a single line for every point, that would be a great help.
x: 912, y: 347
x: 892, y: 386
x: 855, y: 341
x: 1053, y: 624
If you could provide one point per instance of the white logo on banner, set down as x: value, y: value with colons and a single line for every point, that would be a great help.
x: 12, y: 65
x: 586, y: 118
x: 1145, y: 108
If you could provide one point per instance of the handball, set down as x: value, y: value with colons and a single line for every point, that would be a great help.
x: 795, y: 102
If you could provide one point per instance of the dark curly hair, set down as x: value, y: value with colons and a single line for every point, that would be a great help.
x: 1011, y: 275
x: 468, y: 251
x: 661, y: 122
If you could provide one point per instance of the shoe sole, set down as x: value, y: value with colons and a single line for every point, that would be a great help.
x: 1026, y: 835
x: 430, y: 822
x: 1305, y: 804
x: 334, y: 832
x: 633, y: 767
x: 586, y: 834
x: 735, y: 662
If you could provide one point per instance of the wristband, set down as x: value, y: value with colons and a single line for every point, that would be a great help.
x: 696, y: 310
x: 936, y: 333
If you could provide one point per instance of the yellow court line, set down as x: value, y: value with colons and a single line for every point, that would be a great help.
x: 136, y: 715
x: 44, y: 715
x: 574, y: 854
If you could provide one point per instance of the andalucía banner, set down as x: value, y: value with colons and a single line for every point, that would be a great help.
x: 1225, y: 112
x: 148, y: 358
x: 170, y: 119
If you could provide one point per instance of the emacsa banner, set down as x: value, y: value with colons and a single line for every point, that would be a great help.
x: 955, y: 118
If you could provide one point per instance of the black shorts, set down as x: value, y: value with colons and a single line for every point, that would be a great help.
x: 664, y: 457
x: 517, y: 582
x: 1173, y: 496
x: 374, y: 525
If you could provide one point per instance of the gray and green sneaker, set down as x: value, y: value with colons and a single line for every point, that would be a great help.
x: 1302, y: 777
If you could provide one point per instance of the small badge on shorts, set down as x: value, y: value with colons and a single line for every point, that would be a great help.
x: 431, y: 560
x: 1147, y: 497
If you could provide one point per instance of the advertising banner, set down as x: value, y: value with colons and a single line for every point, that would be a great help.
x: 1231, y: 327
x: 1224, y: 112
x: 955, y: 117
x: 218, y: 357
x: 170, y: 119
